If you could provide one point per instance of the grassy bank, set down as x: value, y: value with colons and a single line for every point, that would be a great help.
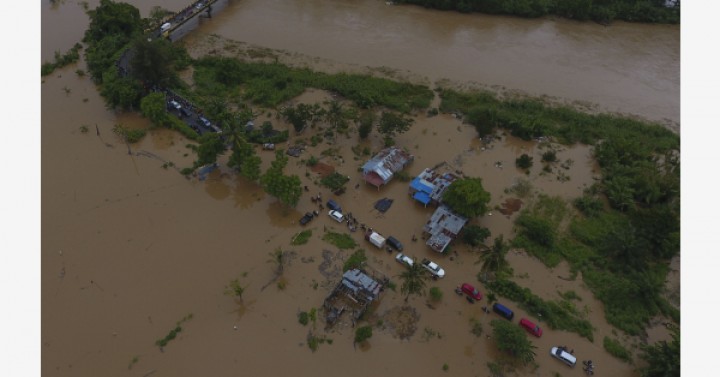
x: 270, y: 85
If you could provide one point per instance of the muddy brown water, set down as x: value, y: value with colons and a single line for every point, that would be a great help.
x: 130, y: 247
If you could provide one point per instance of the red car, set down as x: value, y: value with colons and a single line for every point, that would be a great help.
x: 470, y: 291
x: 531, y: 327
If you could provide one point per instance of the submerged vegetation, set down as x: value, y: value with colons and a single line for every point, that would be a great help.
x: 61, y: 60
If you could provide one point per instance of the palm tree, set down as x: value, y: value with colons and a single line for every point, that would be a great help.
x: 493, y: 260
x: 277, y: 257
x: 414, y: 279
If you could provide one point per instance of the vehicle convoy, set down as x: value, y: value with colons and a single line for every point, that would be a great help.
x: 433, y: 267
x: 375, y: 238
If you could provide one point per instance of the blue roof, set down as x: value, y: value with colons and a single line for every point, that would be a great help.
x: 422, y: 197
x: 419, y: 184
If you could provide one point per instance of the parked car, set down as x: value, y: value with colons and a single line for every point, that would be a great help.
x: 205, y: 122
x: 433, y: 267
x: 564, y: 356
x: 307, y: 218
x: 404, y: 259
x: 331, y: 204
x: 531, y: 327
x: 336, y: 215
x: 376, y: 239
x: 165, y: 26
x: 503, y: 310
x: 185, y: 112
x: 175, y: 105
x: 470, y: 292
x: 394, y: 243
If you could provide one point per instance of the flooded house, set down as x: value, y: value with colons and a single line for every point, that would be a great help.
x: 383, y: 166
x: 354, y: 293
x: 430, y: 185
x: 444, y: 225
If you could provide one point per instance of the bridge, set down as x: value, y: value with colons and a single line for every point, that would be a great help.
x: 168, y: 25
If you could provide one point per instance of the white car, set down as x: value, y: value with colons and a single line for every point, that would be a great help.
x: 336, y: 215
x: 433, y: 267
x: 404, y: 259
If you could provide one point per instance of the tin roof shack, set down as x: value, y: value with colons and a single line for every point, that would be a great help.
x: 430, y: 185
x: 355, y: 292
x: 381, y: 168
x: 443, y: 226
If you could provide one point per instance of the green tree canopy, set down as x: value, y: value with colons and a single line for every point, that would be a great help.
x: 122, y: 92
x: 154, y: 61
x: 511, y: 338
x: 475, y: 235
x: 211, y: 145
x: 153, y: 108
x: 494, y: 260
x: 287, y: 189
x: 392, y: 124
x: 467, y: 197
x: 111, y: 18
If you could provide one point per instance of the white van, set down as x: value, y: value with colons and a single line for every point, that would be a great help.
x: 165, y: 26
x: 564, y: 356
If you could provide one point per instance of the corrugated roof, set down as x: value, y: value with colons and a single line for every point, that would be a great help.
x: 422, y: 197
x: 387, y: 162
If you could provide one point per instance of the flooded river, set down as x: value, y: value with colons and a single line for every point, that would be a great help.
x: 130, y: 247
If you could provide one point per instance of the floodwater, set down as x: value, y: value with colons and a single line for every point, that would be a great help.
x: 130, y: 247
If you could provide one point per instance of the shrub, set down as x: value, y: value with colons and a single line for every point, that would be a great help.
x: 524, y: 161
x: 303, y: 318
x: 549, y: 156
x: 355, y: 260
x: 475, y: 235
x: 616, y: 349
x: 129, y: 135
x: 340, y: 240
x: 334, y: 181
x: 436, y: 294
x: 302, y: 237
x: 363, y: 333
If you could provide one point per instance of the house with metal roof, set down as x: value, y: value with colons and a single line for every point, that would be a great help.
x: 444, y: 225
x: 354, y: 293
x: 381, y: 168
x: 430, y: 185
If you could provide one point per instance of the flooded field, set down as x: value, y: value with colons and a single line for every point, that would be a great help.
x: 130, y: 247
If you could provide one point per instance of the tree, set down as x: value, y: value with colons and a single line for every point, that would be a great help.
x: 663, y: 358
x: 493, y: 260
x: 153, y: 61
x: 392, y: 124
x: 122, y: 92
x: 300, y: 115
x: 153, y: 108
x: 475, y: 235
x: 414, y: 279
x: 277, y: 257
x: 111, y: 18
x: 512, y: 339
x: 287, y: 189
x: 467, y: 197
x: 250, y: 168
x: 536, y: 229
x: 210, y: 146
x: 365, y: 121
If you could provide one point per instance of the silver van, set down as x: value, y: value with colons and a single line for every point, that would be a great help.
x: 564, y: 356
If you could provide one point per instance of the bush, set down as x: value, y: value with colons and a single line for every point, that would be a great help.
x: 303, y: 318
x: 475, y: 235
x: 334, y: 181
x: 549, y: 156
x: 355, y: 260
x: 363, y: 333
x: 128, y: 135
x: 616, y: 349
x: 436, y: 294
x: 524, y: 161
x: 302, y: 238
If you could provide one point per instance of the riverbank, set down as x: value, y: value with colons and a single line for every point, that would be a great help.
x: 214, y: 45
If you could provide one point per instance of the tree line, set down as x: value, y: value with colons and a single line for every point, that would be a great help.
x: 602, y: 11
